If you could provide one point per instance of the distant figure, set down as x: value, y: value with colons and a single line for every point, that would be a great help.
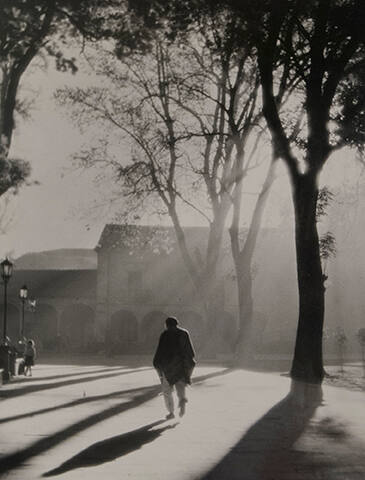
x: 29, y: 357
x: 174, y: 362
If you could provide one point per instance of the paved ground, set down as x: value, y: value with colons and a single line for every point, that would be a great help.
x: 350, y: 376
x: 106, y: 422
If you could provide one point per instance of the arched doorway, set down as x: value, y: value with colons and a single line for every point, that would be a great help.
x: 122, y: 333
x: 41, y: 326
x: 77, y: 327
x: 152, y: 325
x: 193, y: 322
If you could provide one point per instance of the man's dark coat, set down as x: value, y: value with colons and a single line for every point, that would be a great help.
x: 174, y: 356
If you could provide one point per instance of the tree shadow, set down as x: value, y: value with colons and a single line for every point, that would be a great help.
x: 112, y: 448
x: 86, y: 360
x: 197, y: 381
x: 148, y: 393
x: 10, y: 461
x: 333, y: 429
x: 48, y: 386
x: 75, y: 403
x: 23, y: 379
x: 329, y: 451
x: 263, y: 449
x: 4, y: 394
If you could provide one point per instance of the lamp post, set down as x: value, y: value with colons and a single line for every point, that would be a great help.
x: 6, y: 272
x: 32, y: 304
x: 23, y: 295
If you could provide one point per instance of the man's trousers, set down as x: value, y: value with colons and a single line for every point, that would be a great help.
x: 167, y: 391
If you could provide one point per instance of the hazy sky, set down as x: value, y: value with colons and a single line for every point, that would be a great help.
x: 48, y: 215
x: 56, y: 213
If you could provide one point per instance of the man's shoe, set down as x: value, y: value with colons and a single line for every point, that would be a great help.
x: 169, y: 416
x: 182, y: 405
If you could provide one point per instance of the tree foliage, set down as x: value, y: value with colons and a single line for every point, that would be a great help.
x: 189, y: 107
x: 320, y: 43
x: 26, y: 29
x: 14, y: 174
x: 318, y: 46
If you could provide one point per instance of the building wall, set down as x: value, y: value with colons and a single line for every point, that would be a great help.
x: 129, y: 296
x: 145, y: 289
x: 56, y: 323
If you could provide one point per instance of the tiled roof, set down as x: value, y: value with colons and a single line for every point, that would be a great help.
x: 61, y: 259
x: 140, y: 237
x: 54, y: 283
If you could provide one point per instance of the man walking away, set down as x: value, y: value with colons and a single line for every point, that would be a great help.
x: 174, y: 362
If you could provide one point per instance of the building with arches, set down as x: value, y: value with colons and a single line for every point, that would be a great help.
x: 64, y: 313
x: 114, y: 299
x: 142, y: 280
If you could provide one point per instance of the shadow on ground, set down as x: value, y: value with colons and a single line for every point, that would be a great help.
x: 75, y: 403
x: 262, y: 452
x: 97, y: 398
x: 70, y: 359
x: 141, y: 396
x: 24, y: 379
x: 48, y: 386
x: 49, y: 441
x: 112, y: 448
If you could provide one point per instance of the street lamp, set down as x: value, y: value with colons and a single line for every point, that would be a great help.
x: 23, y: 295
x: 6, y: 272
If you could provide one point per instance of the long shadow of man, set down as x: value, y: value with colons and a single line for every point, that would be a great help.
x: 112, y: 448
x: 262, y: 453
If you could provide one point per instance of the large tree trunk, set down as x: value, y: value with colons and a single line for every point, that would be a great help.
x: 307, y: 364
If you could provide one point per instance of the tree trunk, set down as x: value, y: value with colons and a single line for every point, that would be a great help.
x: 307, y: 364
x: 203, y: 273
x: 12, y: 70
x: 212, y: 296
x: 210, y: 287
x: 243, y: 347
x: 243, y: 264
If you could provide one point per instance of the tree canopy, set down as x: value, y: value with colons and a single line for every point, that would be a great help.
x: 318, y: 46
x: 26, y: 29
